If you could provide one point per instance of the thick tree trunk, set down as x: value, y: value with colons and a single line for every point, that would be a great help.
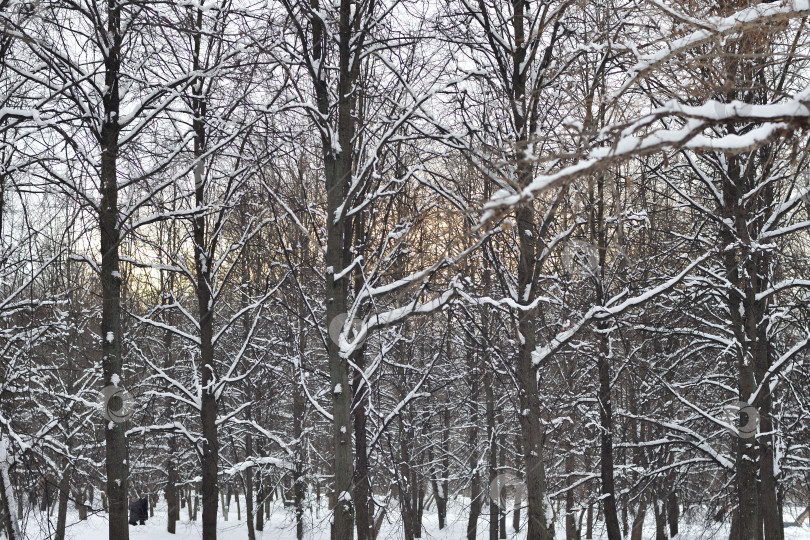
x: 112, y: 362
x: 204, y: 248
x: 638, y: 522
x: 589, y: 522
x: 606, y: 450
x: 572, y: 530
x: 749, y: 524
x: 64, y: 497
x: 172, y: 499
x: 673, y: 513
x: 337, y: 156
x: 362, y: 486
x: 539, y: 527
x: 112, y: 357
x: 660, y: 509
x: 260, y: 507
x: 9, y: 522
x: 608, y: 485
x: 209, y: 449
x: 337, y: 176
x: 772, y: 520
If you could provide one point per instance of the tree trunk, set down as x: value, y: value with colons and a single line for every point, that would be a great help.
x: 660, y: 509
x: 673, y: 513
x: 440, y: 471
x: 61, y: 515
x: 249, y: 507
x: 475, y: 482
x: 589, y: 522
x: 518, y: 492
x: 494, y: 496
x: 502, y: 460
x: 173, y: 508
x: 608, y: 484
x: 772, y: 521
x: 337, y: 156
x: 9, y: 522
x: 112, y: 356
x: 364, y: 510
x: 209, y: 449
x: 80, y: 504
x: 299, y: 482
x: 260, y: 507
x: 638, y: 522
x: 571, y: 524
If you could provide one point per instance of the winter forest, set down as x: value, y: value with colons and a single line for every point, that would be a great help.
x: 401, y: 269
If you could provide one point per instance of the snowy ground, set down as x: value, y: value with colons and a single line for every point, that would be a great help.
x: 282, y: 527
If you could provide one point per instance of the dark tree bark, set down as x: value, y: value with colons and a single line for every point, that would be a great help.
x: 204, y: 248
x: 173, y: 496
x: 673, y: 513
x: 589, y: 523
x: 572, y: 531
x: 260, y: 495
x: 608, y: 484
x: 494, y: 498
x: 518, y: 492
x: 64, y: 497
x: 110, y: 232
x: 364, y: 508
x: 172, y: 499
x: 440, y: 471
x: 502, y: 462
x: 299, y: 479
x: 472, y: 442
x: 362, y: 486
x: 249, y: 503
x: 660, y: 520
x: 337, y: 156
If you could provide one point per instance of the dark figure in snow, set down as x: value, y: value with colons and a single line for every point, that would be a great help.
x: 138, y: 511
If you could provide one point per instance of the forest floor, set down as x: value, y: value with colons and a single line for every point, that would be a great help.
x: 281, y: 526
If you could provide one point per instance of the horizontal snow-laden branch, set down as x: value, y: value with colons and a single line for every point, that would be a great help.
x: 618, y: 143
x: 690, y: 136
x: 713, y: 27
